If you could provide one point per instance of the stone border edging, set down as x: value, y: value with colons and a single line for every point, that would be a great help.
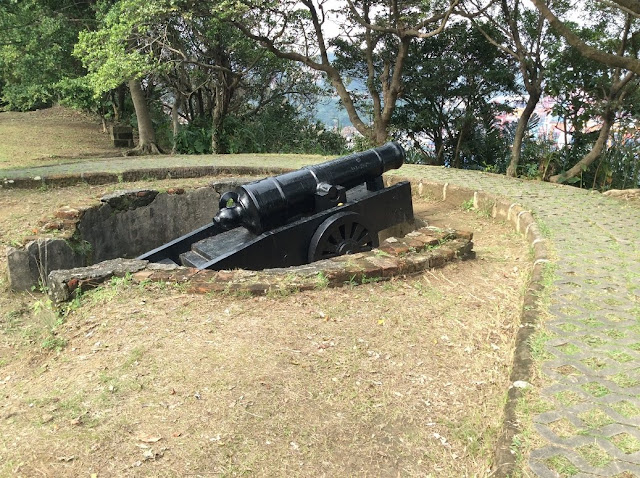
x: 98, y: 178
x: 425, y: 248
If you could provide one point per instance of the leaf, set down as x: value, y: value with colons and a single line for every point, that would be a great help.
x: 149, y: 439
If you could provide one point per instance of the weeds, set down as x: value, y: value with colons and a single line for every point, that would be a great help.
x: 467, y: 205
x: 322, y: 281
x: 52, y: 318
x: 369, y: 280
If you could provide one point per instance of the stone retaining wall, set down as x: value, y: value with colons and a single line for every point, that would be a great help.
x: 123, y: 225
x: 177, y: 172
x: 425, y: 248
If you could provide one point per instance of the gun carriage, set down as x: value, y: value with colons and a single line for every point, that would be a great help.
x: 317, y: 212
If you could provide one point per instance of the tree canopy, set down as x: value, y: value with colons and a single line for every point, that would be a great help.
x: 230, y: 76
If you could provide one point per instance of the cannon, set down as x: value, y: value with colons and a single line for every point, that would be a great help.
x: 321, y: 211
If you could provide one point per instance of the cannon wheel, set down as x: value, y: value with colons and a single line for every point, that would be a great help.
x: 342, y: 233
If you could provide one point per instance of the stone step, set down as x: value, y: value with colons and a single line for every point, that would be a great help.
x: 223, y: 243
x: 193, y: 259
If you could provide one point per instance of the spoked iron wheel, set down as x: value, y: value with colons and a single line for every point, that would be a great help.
x: 342, y: 233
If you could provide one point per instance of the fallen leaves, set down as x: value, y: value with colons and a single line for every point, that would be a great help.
x: 149, y: 438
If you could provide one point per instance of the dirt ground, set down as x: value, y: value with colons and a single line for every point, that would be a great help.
x: 399, y: 378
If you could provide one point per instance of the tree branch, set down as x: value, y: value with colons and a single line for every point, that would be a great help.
x: 628, y: 63
x: 629, y: 6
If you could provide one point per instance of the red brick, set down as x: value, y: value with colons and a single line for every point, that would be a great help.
x: 68, y: 212
x: 397, y: 248
x: 388, y: 265
x: 468, y: 235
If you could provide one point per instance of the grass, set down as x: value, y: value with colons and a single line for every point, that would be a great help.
x: 53, y: 136
x: 322, y: 281
x: 561, y: 465
x: 596, y: 363
x: 626, y: 408
x: 538, y: 345
x: 595, y: 418
x: 528, y: 405
x: 592, y: 322
x: 569, y: 349
x: 594, y: 455
x: 593, y: 340
x: 624, y: 380
x: 596, y: 389
x: 568, y: 398
x: 563, y: 428
x: 348, y: 375
x: 626, y: 442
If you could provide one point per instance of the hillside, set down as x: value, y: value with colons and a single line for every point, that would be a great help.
x: 51, y: 136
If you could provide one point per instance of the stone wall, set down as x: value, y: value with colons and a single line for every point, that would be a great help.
x: 125, y: 224
x: 425, y: 248
x: 122, y: 136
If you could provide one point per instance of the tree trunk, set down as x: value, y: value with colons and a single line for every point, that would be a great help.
x: 455, y: 162
x: 438, y: 144
x: 592, y: 155
x: 175, y: 116
x: 218, y: 115
x: 200, y: 102
x: 464, y: 131
x: 147, y: 136
x: 120, y: 97
x: 521, y: 130
x: 224, y: 89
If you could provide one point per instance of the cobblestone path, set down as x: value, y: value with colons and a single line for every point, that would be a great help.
x: 593, y: 355
x: 592, y: 359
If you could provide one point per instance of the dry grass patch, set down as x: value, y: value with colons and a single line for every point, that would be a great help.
x: 51, y: 136
x: 403, y: 377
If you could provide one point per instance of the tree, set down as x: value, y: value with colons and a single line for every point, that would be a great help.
x: 204, y: 66
x: 297, y: 31
x: 450, y: 80
x: 216, y: 66
x: 523, y: 35
x: 36, y: 39
x: 113, y: 56
x: 592, y: 90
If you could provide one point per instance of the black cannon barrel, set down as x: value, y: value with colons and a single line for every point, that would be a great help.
x: 271, y: 202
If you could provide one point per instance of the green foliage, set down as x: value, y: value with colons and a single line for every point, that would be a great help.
x: 585, y: 91
x: 35, y: 42
x: 278, y: 128
x: 467, y: 205
x: 449, y: 81
x: 619, y: 167
x: 193, y: 139
x: 78, y: 94
x: 112, y: 53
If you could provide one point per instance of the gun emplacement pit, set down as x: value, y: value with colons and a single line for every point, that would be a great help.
x: 88, y: 245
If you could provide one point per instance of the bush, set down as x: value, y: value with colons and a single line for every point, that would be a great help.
x: 278, y: 128
x: 27, y: 97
